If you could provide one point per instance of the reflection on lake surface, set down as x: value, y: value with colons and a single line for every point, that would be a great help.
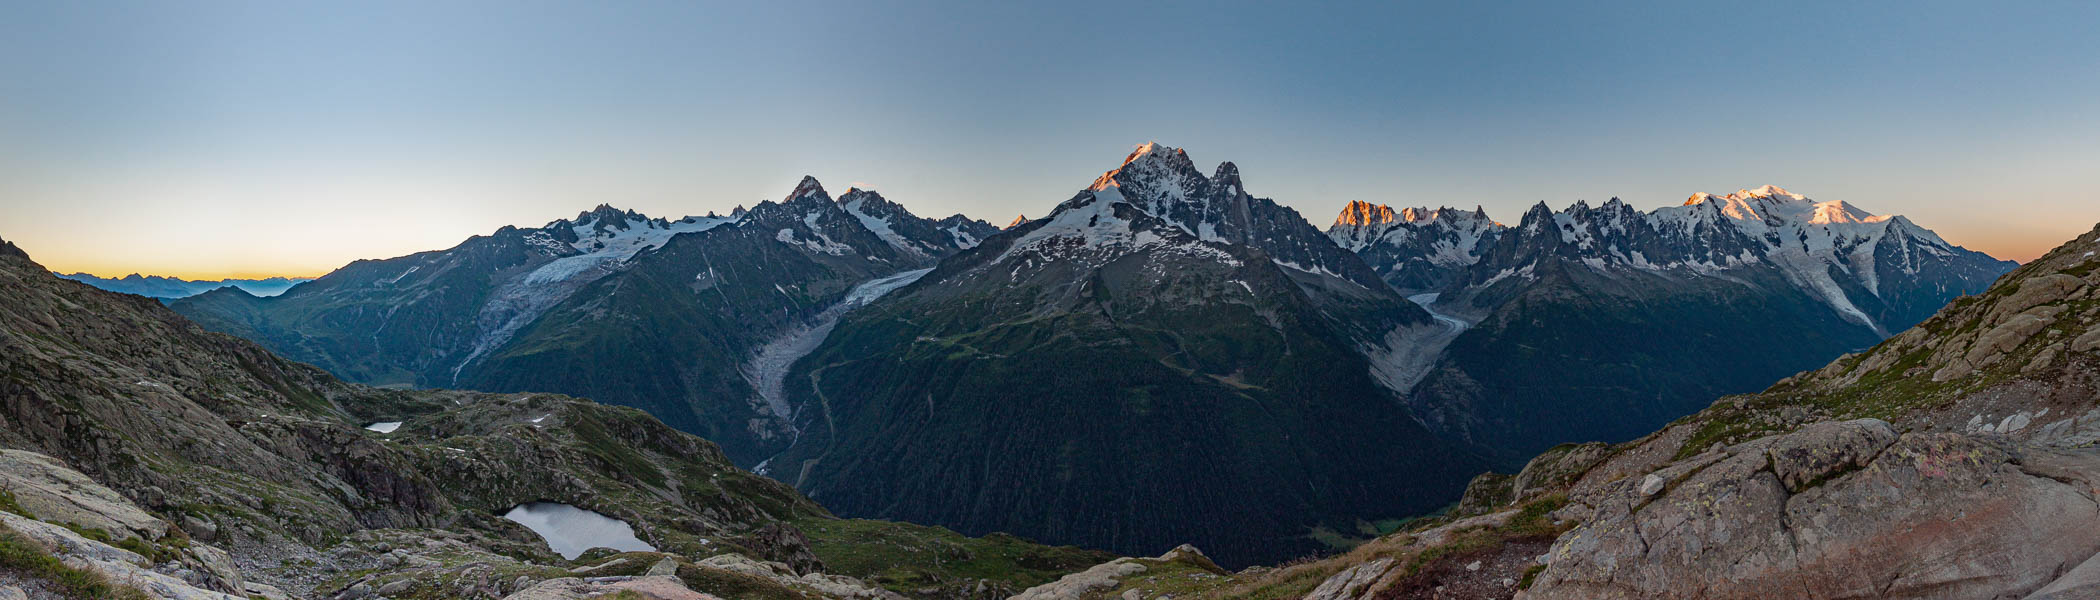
x: 570, y: 530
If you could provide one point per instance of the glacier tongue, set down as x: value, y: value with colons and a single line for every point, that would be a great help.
x: 1407, y: 353
x: 767, y: 370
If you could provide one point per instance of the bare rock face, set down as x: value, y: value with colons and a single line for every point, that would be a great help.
x: 2010, y: 334
x: 1826, y: 449
x: 1557, y: 468
x: 2034, y: 292
x: 1105, y: 577
x: 1352, y: 582
x: 115, y: 563
x: 570, y: 588
x: 1841, y: 509
x: 2088, y: 342
x: 49, y: 489
x: 831, y: 586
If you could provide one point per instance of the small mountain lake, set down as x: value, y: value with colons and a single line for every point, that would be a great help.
x: 384, y: 426
x: 570, y: 530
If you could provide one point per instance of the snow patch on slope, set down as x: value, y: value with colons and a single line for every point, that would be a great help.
x: 882, y: 228
x: 602, y: 248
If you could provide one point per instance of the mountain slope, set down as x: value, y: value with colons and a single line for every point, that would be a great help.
x: 222, y: 442
x: 418, y: 319
x: 669, y: 316
x: 669, y: 333
x: 1163, y: 358
x: 1629, y: 319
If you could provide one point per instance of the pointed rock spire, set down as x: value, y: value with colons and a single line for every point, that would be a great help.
x: 808, y: 187
x: 1539, y: 213
x: 1227, y: 178
x: 1017, y: 221
x: 855, y: 193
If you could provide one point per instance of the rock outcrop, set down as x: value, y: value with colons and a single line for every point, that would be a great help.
x: 1954, y: 460
x: 1105, y: 580
x: 82, y: 523
x: 1838, y: 510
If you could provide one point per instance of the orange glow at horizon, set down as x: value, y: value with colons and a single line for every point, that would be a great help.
x: 115, y: 258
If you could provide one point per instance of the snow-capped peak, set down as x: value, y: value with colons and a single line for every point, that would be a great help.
x: 1360, y: 213
x: 1768, y: 191
x: 807, y: 188
x: 1149, y: 163
x: 1837, y: 211
x: 1018, y: 220
x: 875, y: 213
x: 608, y: 231
x: 1775, y: 205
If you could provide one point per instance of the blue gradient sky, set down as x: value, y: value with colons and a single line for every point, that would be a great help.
x: 243, y: 138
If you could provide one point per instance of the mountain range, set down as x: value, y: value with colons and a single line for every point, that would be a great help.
x: 155, y: 286
x: 1628, y: 319
x: 1164, y: 353
x: 673, y: 317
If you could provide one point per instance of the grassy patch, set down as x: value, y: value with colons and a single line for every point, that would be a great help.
x: 1530, y: 575
x: 24, y: 557
x: 905, y: 557
x: 1183, y: 577
x: 9, y: 504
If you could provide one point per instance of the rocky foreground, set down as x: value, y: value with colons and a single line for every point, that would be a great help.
x: 1955, y: 460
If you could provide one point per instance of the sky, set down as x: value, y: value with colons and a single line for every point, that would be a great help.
x: 234, y: 138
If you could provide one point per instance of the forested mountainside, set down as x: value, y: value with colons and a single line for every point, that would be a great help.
x: 1164, y: 358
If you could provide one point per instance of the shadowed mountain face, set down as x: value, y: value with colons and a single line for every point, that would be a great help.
x: 662, y: 315
x: 1605, y: 322
x: 221, y: 444
x: 1164, y: 358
